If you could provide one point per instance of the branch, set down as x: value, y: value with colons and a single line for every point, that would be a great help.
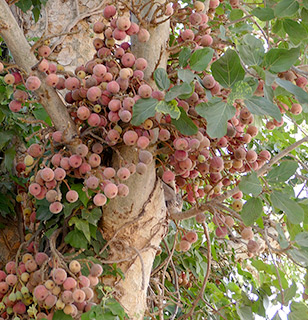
x: 25, y: 59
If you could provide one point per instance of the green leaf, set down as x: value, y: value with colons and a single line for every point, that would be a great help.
x: 41, y: 114
x: 282, y: 240
x: 60, y: 315
x: 170, y: 108
x: 299, y: 93
x: 236, y: 14
x: 261, y: 106
x: 240, y: 90
x: 92, y: 216
x: 5, y: 136
x: 115, y: 308
x: 228, y: 69
x: 81, y: 193
x: 184, y: 124
x: 9, y: 156
x: 286, y: 8
x: 76, y: 239
x: 81, y: 225
x: 300, y: 256
x: 252, y: 211
x: 244, y: 312
x: 263, y: 14
x: 161, y: 79
x: 200, y: 59
x: 186, y: 75
x: 250, y: 184
x: 36, y: 14
x: 294, y: 29
x: 142, y: 110
x: 279, y: 60
x: 184, y: 57
x: 302, y: 239
x: 24, y: 5
x: 298, y: 311
x: 251, y: 50
x: 290, y: 293
x: 293, y: 210
x: 69, y: 207
x: 217, y: 113
x: 176, y: 91
x: 283, y: 172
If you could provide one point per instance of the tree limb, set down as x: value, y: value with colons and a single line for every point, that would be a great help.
x: 25, y: 59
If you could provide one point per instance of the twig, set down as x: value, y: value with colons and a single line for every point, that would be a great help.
x: 276, y: 269
x: 175, y: 274
x: 142, y: 267
x: 208, y: 271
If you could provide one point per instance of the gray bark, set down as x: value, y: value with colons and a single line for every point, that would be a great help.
x: 25, y: 59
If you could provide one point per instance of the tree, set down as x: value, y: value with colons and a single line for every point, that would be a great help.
x: 168, y: 172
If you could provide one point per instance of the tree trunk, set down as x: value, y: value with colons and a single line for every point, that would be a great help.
x: 138, y: 223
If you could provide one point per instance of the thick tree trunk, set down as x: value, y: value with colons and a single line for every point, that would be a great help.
x: 138, y: 223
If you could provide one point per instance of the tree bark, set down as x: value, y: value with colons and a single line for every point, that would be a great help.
x: 138, y: 223
x: 25, y: 59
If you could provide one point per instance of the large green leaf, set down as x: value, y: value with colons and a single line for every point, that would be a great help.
x: 170, y: 108
x: 92, y: 216
x: 184, y: 57
x: 252, y: 211
x: 5, y: 136
x: 217, y: 113
x: 293, y: 210
x: 302, y: 239
x: 200, y: 59
x: 295, y: 29
x: 300, y: 256
x: 299, y: 93
x: 24, y: 5
x: 60, y: 315
x: 279, y: 60
x: 186, y: 75
x: 299, y: 311
x: 263, y: 14
x: 250, y: 184
x: 69, y: 207
x: 9, y: 156
x: 81, y: 225
x: 184, y: 124
x: 283, y: 172
x: 142, y: 110
x: 227, y: 70
x: 286, y: 8
x: 240, y: 90
x: 76, y: 239
x: 161, y: 79
x: 261, y: 106
x: 244, y: 312
x: 251, y: 50
x: 178, y: 90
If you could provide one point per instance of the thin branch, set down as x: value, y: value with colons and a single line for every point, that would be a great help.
x: 275, y: 266
x: 208, y: 271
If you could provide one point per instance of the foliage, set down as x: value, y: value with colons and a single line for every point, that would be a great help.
x: 238, y: 93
